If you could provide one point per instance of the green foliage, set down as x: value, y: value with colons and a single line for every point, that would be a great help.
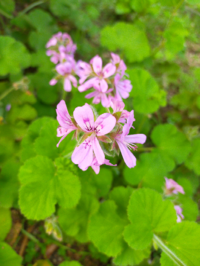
x: 128, y: 38
x: 8, y: 256
x: 9, y: 184
x: 147, y: 95
x: 11, y: 50
x: 193, y: 161
x: 5, y: 220
x: 70, y: 263
x: 183, y: 242
x: 170, y: 143
x: 75, y: 221
x: 148, y: 214
x: 7, y: 8
x: 44, y: 185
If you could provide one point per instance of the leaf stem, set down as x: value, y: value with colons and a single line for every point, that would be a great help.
x: 5, y: 93
x: 31, y: 6
x: 168, y: 251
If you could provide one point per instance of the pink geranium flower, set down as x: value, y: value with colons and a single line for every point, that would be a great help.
x: 64, y: 120
x: 96, y: 166
x: 122, y: 86
x: 118, y: 109
x: 66, y: 69
x: 83, y: 154
x: 120, y: 65
x: 100, y: 96
x: 99, y: 81
x: 171, y: 187
x: 179, y: 213
x: 84, y: 70
x: 126, y: 142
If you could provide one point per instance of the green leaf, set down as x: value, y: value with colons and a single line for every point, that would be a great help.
x: 190, y: 208
x: 97, y: 185
x: 43, y: 186
x: 147, y: 95
x: 46, y: 143
x: 148, y: 214
x: 183, y: 241
x: 170, y: 142
x: 121, y: 196
x: 149, y: 171
x: 166, y: 261
x: 74, y: 221
x: 193, y: 161
x: 15, y: 52
x: 128, y: 38
x: 7, y: 8
x: 140, y: 6
x: 25, y: 112
x: 70, y: 263
x: 40, y: 19
x: 175, y: 36
x: 8, y: 256
x: 105, y: 232
x: 46, y: 93
x: 5, y: 221
x: 129, y: 256
x: 27, y: 143
x: 9, y: 184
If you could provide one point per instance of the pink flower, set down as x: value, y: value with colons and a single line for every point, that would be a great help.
x: 99, y: 81
x: 126, y: 142
x: 118, y: 111
x: 171, y: 187
x: 100, y: 96
x: 64, y: 120
x: 179, y: 213
x: 120, y: 65
x: 59, y: 46
x: 84, y: 70
x: 83, y: 154
x: 96, y: 166
x: 123, y: 87
x: 65, y: 69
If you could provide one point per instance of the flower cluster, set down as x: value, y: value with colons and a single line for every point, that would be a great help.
x: 108, y: 83
x: 61, y: 49
x: 171, y: 187
x: 97, y: 134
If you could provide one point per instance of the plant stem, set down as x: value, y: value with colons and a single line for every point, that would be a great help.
x: 30, y: 236
x: 64, y: 95
x: 32, y: 6
x: 5, y: 93
x: 168, y: 251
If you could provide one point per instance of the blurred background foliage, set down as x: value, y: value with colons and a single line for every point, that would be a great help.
x: 159, y: 42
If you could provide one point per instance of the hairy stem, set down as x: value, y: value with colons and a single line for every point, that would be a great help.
x: 32, y: 6
x: 5, y: 93
x: 160, y: 243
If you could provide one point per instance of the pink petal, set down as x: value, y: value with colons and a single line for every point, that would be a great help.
x: 104, y: 124
x: 84, y: 117
x: 98, y: 151
x: 129, y: 123
x: 137, y: 138
x: 103, y: 85
x: 67, y: 85
x: 109, y: 70
x: 87, y: 85
x: 129, y: 158
x: 73, y: 80
x: 81, y: 152
x: 92, y: 94
x: 104, y: 100
x: 53, y: 82
x: 96, y: 168
x: 107, y: 162
x: 87, y: 161
x: 116, y: 58
x: 97, y: 64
